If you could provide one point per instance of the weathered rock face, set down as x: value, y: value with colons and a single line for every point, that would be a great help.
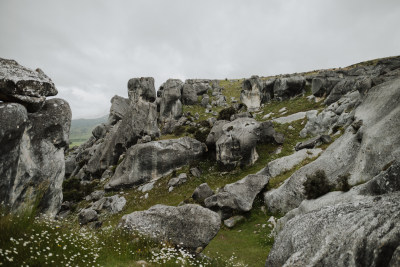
x: 284, y: 88
x: 362, y: 151
x: 141, y: 89
x: 189, y: 226
x: 192, y: 89
x: 256, y: 91
x: 32, y: 154
x: 25, y: 86
x: 153, y: 160
x: 171, y: 105
x: 237, y: 197
x: 362, y: 227
x: 251, y: 93
x: 237, y: 144
x: 119, y: 107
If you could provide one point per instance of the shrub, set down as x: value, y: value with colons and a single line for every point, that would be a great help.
x: 74, y: 191
x: 316, y: 185
x: 343, y: 182
x: 180, y: 130
x: 226, y: 113
x: 191, y: 129
x: 204, y: 123
x: 201, y: 135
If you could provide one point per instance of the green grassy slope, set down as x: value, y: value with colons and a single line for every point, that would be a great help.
x: 81, y: 129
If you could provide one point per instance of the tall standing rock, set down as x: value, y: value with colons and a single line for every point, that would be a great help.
x: 31, y: 144
x: 139, y: 119
x: 171, y: 105
x: 22, y: 85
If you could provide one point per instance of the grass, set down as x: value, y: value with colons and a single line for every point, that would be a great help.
x: 249, y: 242
x: 231, y: 88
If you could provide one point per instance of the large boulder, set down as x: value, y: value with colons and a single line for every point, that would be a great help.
x: 188, y: 226
x: 285, y: 88
x: 237, y: 197
x: 25, y: 86
x: 32, y: 157
x: 361, y: 152
x: 236, y: 146
x: 171, y: 105
x: 362, y: 227
x: 153, y: 160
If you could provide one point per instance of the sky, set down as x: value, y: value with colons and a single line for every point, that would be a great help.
x: 91, y: 48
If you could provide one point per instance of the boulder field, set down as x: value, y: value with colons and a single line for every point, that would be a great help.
x: 332, y: 177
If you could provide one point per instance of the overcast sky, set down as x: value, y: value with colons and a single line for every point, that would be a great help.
x: 91, y: 49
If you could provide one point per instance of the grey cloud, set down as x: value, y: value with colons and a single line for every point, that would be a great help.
x: 92, y: 48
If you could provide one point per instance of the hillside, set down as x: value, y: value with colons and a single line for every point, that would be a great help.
x: 81, y: 129
x: 242, y: 172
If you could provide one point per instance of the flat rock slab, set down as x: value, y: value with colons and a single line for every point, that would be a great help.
x: 281, y: 165
x: 189, y: 226
x: 291, y: 118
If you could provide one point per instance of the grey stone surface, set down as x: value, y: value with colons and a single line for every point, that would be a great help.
x: 141, y: 89
x: 202, y: 192
x: 362, y: 226
x: 86, y: 216
x: 362, y: 154
x: 238, y: 196
x: 285, y: 88
x: 32, y: 154
x: 171, y: 105
x: 232, y: 221
x: 313, y: 142
x: 119, y: 107
x: 189, y: 226
x: 113, y: 204
x: 22, y: 85
x: 283, y: 164
x: 291, y: 118
x: 150, y: 161
x: 176, y: 181
x: 237, y: 144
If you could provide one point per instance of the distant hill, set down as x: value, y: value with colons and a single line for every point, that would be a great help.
x: 81, y: 129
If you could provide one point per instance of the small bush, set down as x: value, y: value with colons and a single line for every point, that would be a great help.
x: 316, y: 185
x: 180, y: 130
x: 204, y: 123
x: 343, y: 182
x: 201, y: 135
x: 226, y: 113
x: 74, y: 191
x: 191, y: 129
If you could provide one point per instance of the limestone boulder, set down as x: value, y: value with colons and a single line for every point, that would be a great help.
x: 153, y: 160
x: 188, y: 226
x: 237, y: 197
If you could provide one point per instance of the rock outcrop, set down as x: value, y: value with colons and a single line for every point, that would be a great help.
x: 129, y: 120
x: 153, y: 160
x: 362, y: 151
x: 362, y: 227
x: 31, y: 144
x: 237, y: 140
x: 19, y: 84
x: 171, y: 105
x: 188, y: 226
